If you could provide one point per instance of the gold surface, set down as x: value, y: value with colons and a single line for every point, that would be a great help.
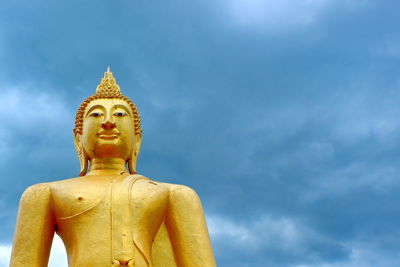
x: 109, y: 215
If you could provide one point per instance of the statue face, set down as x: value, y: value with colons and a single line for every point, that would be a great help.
x: 108, y: 130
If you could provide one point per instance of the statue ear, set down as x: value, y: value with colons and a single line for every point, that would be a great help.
x: 135, y: 153
x: 83, y: 159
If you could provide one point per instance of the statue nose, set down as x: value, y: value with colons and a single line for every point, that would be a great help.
x: 108, y: 125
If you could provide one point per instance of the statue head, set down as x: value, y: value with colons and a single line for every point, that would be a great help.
x: 107, y: 125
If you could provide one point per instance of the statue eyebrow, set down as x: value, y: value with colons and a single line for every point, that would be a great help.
x: 123, y: 107
x: 94, y: 107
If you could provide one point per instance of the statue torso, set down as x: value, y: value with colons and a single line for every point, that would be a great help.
x: 102, y: 219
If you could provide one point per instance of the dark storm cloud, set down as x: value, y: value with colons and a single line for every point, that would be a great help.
x: 283, y: 116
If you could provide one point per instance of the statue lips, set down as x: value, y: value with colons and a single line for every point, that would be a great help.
x: 108, y: 135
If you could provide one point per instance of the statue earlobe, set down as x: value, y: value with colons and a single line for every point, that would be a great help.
x: 83, y: 159
x: 132, y: 165
x: 133, y: 158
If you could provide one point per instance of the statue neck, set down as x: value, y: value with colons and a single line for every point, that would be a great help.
x: 107, y: 166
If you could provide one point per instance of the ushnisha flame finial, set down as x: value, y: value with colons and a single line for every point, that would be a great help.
x: 108, y: 86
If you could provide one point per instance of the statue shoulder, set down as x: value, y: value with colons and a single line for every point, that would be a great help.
x: 41, y: 192
x: 175, y: 191
x: 38, y: 194
x: 149, y: 186
x: 181, y: 192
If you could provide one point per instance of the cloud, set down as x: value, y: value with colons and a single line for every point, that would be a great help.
x: 283, y: 15
x: 32, y: 118
x: 27, y: 111
x: 363, y: 255
x: 5, y: 252
x: 58, y: 256
x: 267, y: 237
x: 275, y: 241
x: 282, y: 232
x: 25, y: 107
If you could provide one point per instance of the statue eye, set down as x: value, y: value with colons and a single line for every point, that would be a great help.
x: 96, y: 114
x: 120, y: 114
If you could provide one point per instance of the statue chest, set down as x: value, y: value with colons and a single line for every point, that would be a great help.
x: 123, y: 203
x: 118, y: 217
x: 78, y: 198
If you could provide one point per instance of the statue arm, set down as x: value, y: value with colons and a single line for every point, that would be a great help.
x: 187, y: 229
x: 35, y: 228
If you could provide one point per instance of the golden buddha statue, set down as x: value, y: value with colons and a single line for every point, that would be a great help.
x: 109, y: 215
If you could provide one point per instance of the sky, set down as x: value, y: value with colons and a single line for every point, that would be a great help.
x: 282, y: 115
